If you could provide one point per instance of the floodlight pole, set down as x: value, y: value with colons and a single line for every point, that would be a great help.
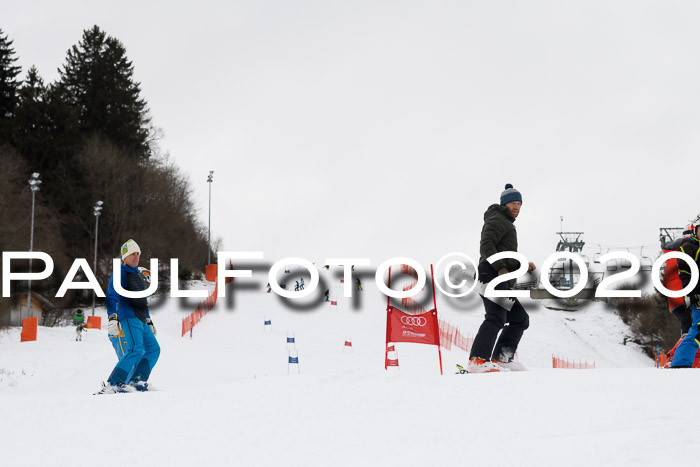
x: 34, y: 183
x: 210, y: 179
x: 97, y: 210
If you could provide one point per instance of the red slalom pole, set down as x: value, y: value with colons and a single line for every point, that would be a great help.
x: 389, y: 285
x: 432, y: 279
x: 388, y: 326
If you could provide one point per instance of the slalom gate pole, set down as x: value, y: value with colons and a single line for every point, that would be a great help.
x: 432, y: 279
x: 388, y: 317
x: 388, y: 285
x: 657, y: 355
x: 386, y: 346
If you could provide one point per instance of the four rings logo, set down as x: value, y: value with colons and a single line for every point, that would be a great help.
x: 414, y: 320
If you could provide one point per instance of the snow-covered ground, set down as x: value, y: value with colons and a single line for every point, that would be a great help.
x: 225, y: 398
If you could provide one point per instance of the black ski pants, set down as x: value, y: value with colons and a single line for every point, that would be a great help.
x: 506, y: 314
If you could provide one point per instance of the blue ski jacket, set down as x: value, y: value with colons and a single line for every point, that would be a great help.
x: 133, y: 281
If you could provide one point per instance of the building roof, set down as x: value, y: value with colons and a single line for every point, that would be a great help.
x: 44, y: 302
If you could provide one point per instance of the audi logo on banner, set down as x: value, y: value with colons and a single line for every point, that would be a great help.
x: 414, y: 320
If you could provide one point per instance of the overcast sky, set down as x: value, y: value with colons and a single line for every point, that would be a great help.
x: 386, y: 128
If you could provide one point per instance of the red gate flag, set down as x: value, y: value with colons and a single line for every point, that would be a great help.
x: 421, y: 329
x: 417, y: 328
x: 29, y: 328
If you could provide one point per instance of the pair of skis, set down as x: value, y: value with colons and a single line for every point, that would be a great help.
x: 512, y: 366
x: 124, y: 388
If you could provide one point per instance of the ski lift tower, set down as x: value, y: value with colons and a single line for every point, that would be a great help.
x: 570, y: 241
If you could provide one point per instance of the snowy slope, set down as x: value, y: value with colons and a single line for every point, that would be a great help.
x: 225, y: 396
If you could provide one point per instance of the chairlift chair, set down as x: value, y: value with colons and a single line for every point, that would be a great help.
x: 611, y: 265
x: 556, y: 272
x: 597, y: 256
x: 625, y: 263
x: 586, y: 260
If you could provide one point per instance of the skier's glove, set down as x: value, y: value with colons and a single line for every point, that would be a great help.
x: 113, y: 326
x: 146, y: 273
x: 692, y: 300
x: 151, y: 325
x: 695, y: 300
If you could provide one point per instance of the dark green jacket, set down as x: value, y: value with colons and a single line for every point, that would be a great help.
x: 690, y: 247
x: 497, y: 235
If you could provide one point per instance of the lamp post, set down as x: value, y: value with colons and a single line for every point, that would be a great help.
x: 97, y: 210
x: 34, y: 183
x: 210, y: 179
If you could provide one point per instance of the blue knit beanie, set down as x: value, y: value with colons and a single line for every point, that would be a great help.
x: 510, y: 194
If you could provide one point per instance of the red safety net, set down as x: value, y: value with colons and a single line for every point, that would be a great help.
x: 208, y: 303
x: 561, y: 362
x: 451, y: 336
x: 409, y: 303
x: 204, y: 307
x: 409, y: 271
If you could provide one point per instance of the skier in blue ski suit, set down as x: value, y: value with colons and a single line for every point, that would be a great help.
x: 131, y: 317
x: 685, y: 352
x: 119, y: 341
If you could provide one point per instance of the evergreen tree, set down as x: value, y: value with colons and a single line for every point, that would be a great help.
x: 97, y: 81
x: 31, y: 122
x: 9, y: 86
x: 45, y: 126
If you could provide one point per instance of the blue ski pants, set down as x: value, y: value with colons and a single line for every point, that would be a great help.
x: 685, y: 352
x: 142, y: 352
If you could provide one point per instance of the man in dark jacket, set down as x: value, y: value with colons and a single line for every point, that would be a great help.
x: 502, y: 313
x: 130, y: 317
x: 686, y: 350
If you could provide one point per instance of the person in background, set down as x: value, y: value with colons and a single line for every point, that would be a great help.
x: 79, y: 332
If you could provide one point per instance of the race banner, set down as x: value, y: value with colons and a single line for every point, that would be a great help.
x: 420, y: 329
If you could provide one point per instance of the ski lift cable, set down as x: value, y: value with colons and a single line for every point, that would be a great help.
x: 611, y: 247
